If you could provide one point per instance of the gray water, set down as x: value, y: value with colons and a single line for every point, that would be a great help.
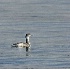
x: 49, y: 23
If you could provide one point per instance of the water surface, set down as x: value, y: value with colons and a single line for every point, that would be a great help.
x: 49, y: 23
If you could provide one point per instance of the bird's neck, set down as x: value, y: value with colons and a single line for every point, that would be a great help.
x: 27, y: 40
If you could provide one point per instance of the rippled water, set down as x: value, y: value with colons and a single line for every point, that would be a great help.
x: 49, y: 23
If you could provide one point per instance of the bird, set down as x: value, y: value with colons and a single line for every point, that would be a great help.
x: 23, y: 44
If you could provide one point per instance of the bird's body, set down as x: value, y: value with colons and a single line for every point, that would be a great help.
x: 23, y: 44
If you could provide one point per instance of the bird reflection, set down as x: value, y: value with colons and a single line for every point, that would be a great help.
x: 27, y: 53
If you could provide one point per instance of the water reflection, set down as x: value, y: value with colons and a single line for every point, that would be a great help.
x: 27, y: 53
x: 21, y: 51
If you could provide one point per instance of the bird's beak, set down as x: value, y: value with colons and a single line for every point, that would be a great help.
x: 31, y: 35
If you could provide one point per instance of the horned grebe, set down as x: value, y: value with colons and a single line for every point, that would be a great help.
x: 22, y: 44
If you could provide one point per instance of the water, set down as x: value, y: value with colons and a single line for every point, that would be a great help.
x: 49, y: 23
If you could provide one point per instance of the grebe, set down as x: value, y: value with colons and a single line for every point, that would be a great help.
x: 22, y: 44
